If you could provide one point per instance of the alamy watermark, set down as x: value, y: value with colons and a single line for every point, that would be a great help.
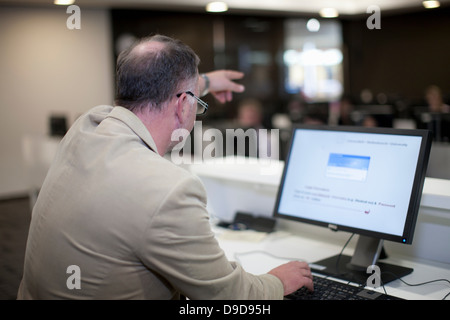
x: 253, y: 146
x: 374, y: 20
x: 374, y: 280
x: 74, y: 280
x: 74, y: 20
x: 262, y: 144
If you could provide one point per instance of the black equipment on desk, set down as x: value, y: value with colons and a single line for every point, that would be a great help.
x: 247, y: 221
x: 327, y: 289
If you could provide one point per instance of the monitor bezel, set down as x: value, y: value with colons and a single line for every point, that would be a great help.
x: 416, y: 192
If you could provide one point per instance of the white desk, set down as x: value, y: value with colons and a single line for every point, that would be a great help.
x: 242, y: 185
x: 237, y: 184
x: 259, y: 253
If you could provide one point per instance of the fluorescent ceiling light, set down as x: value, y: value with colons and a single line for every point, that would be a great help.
x: 328, y: 13
x: 216, y: 7
x: 429, y: 4
x: 63, y: 2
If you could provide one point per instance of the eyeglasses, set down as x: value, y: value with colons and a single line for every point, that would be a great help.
x: 202, y: 106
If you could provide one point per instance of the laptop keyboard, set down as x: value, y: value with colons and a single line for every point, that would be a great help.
x: 327, y: 289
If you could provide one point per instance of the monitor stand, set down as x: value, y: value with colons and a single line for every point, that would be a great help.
x: 354, y: 269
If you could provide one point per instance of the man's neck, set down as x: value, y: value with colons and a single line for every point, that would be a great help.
x: 160, y: 126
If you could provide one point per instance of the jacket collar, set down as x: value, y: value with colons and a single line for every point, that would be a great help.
x: 135, y: 124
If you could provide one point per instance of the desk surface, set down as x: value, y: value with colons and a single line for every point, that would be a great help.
x: 258, y: 253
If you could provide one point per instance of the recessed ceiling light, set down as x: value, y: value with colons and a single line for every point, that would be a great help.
x: 328, y: 13
x: 216, y: 7
x: 63, y: 2
x: 431, y: 4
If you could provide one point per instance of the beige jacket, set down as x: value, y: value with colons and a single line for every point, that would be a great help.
x: 115, y: 220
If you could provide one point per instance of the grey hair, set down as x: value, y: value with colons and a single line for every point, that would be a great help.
x: 150, y: 77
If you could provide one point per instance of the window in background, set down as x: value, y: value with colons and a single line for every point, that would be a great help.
x: 313, y: 59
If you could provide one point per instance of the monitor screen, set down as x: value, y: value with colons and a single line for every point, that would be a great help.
x: 364, y: 180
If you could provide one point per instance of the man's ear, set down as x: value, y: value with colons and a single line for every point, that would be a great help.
x: 179, y: 108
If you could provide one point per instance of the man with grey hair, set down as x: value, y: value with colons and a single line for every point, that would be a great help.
x: 116, y: 220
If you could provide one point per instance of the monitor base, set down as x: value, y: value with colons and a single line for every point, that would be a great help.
x: 339, y: 267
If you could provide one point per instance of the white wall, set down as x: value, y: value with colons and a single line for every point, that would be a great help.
x: 45, y: 69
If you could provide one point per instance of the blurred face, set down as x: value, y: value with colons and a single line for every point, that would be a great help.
x: 434, y: 100
x: 249, y: 116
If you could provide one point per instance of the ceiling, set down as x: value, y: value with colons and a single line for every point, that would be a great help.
x: 344, y: 7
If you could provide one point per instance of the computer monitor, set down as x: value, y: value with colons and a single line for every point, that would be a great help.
x: 366, y: 181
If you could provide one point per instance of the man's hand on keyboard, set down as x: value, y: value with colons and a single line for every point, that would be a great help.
x: 294, y: 275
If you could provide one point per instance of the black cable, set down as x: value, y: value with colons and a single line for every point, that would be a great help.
x: 448, y: 294
x: 418, y: 284
x: 340, y: 254
x: 396, y: 276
